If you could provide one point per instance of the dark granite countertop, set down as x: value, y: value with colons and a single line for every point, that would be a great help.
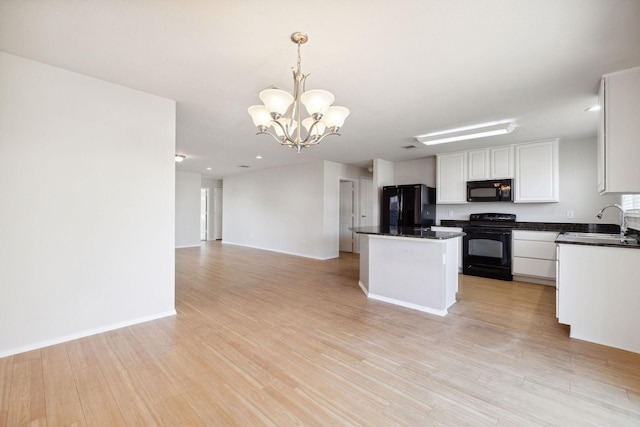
x: 420, y: 233
x: 560, y: 227
x: 631, y: 243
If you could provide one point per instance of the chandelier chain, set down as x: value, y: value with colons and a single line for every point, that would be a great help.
x: 299, y: 60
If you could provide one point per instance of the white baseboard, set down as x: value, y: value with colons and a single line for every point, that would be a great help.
x: 408, y: 305
x: 280, y: 252
x: 86, y: 333
x: 364, y: 289
x: 189, y: 246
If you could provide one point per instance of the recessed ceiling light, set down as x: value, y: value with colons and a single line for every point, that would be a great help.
x: 180, y: 157
x: 594, y: 108
x: 208, y: 169
x: 258, y: 157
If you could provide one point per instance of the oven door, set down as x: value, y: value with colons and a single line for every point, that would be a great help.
x: 487, y: 253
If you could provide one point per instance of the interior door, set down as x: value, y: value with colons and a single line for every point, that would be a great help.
x: 346, y: 216
x: 204, y: 213
x: 217, y: 213
x: 366, y: 202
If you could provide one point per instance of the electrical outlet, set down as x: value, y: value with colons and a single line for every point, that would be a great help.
x: 569, y: 214
x: 450, y: 214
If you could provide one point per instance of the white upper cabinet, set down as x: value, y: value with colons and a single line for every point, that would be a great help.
x: 619, y: 133
x: 490, y: 163
x: 478, y: 161
x: 451, y: 178
x: 536, y: 172
x: 501, y: 162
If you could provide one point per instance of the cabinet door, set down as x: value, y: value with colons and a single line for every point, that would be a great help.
x: 501, y: 161
x: 536, y: 167
x: 601, y: 150
x: 618, y: 156
x: 451, y: 178
x: 478, y: 165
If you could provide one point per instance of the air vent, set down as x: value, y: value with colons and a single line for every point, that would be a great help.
x: 409, y: 147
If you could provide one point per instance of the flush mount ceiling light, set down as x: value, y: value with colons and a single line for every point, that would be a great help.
x: 180, y: 157
x: 468, y: 132
x: 283, y: 111
x: 594, y: 108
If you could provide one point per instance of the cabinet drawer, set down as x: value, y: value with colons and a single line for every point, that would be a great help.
x: 534, y: 249
x: 534, y: 267
x: 543, y: 236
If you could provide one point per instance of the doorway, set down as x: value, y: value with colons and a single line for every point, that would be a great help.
x: 210, y: 214
x: 347, y: 215
x: 217, y: 214
x: 204, y: 214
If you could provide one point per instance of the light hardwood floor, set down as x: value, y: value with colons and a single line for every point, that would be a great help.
x: 269, y: 339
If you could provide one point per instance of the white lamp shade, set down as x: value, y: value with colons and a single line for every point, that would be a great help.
x: 317, y: 130
x: 335, y: 116
x: 260, y: 115
x: 285, y: 122
x: 276, y: 100
x: 317, y: 101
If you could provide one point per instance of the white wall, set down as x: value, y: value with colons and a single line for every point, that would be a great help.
x: 421, y: 171
x: 280, y: 209
x: 188, y: 186
x: 292, y: 209
x: 578, y: 192
x: 334, y: 173
x: 87, y: 216
x: 383, y: 174
x: 210, y: 183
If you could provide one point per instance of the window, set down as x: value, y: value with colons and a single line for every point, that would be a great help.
x: 630, y: 201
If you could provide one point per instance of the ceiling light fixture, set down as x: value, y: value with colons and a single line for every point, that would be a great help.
x: 594, y: 108
x: 283, y: 111
x: 180, y: 157
x: 468, y: 132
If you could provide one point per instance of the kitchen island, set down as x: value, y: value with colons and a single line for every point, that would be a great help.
x: 412, y: 267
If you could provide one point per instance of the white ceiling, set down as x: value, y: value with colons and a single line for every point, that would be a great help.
x: 403, y: 68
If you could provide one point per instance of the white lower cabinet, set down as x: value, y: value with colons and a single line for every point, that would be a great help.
x: 534, y: 256
x: 598, y: 294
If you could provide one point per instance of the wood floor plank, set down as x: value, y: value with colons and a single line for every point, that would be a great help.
x: 61, y: 394
x: 27, y: 399
x: 268, y: 339
x: 97, y: 400
x: 6, y: 382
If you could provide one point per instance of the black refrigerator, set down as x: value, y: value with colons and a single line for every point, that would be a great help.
x: 408, y: 206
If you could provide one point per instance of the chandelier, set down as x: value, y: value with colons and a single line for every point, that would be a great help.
x: 283, y: 111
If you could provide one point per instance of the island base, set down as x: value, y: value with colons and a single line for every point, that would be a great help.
x: 421, y: 274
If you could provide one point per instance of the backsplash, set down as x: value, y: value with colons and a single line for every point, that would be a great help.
x: 633, y: 222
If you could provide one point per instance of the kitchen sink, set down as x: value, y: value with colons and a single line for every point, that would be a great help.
x: 601, y: 238
x: 594, y: 235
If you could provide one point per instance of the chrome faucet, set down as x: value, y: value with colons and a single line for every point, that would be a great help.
x: 623, y: 220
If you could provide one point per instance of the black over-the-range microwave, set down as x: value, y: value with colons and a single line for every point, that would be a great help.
x: 495, y: 190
